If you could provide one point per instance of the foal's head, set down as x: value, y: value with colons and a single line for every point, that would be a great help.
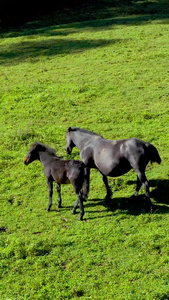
x: 33, y: 153
x: 34, y: 150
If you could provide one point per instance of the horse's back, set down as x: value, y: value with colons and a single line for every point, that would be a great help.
x: 66, y: 171
x: 114, y: 158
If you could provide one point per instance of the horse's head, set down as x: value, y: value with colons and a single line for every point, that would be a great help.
x: 70, y: 145
x: 33, y: 153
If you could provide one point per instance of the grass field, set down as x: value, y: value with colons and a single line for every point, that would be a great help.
x: 109, y: 75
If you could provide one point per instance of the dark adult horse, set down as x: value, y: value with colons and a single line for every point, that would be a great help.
x: 61, y: 171
x: 113, y: 158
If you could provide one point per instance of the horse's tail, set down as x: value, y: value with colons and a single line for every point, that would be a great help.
x: 154, y: 155
x: 86, y: 182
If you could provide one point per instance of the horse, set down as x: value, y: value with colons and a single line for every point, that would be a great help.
x: 113, y: 157
x: 61, y: 171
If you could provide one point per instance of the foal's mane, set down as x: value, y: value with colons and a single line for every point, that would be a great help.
x: 43, y: 147
x: 85, y: 131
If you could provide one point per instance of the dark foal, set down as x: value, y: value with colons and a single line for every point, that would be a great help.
x: 113, y: 158
x: 61, y: 171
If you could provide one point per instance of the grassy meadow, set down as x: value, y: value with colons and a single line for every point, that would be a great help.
x: 109, y: 75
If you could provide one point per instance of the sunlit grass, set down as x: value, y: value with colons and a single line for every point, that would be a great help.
x: 109, y: 76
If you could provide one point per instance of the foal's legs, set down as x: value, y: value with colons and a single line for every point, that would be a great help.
x: 81, y: 206
x: 58, y: 187
x: 79, y: 200
x: 109, y: 191
x: 50, y: 187
x: 86, y: 183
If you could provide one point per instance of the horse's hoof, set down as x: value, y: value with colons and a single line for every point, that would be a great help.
x: 80, y: 218
x: 107, y: 199
x: 148, y: 205
x: 134, y: 195
x: 84, y: 198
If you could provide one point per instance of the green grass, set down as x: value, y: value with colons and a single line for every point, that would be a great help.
x: 109, y: 75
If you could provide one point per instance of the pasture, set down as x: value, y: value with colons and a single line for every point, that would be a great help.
x: 109, y: 75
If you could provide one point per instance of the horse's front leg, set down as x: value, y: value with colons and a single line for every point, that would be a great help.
x: 109, y: 191
x: 86, y: 184
x: 50, y: 187
x: 58, y: 187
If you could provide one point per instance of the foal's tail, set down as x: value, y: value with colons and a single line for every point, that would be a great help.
x: 86, y: 182
x: 154, y: 155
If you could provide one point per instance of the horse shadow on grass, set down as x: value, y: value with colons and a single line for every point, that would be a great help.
x: 159, y: 190
x: 134, y: 205
x: 159, y: 193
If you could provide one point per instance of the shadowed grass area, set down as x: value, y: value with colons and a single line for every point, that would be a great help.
x: 24, y: 50
x: 108, y: 75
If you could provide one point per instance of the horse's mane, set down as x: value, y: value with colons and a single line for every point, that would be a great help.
x: 82, y: 131
x: 43, y: 147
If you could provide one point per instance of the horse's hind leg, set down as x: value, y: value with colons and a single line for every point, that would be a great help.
x: 58, y: 187
x: 144, y: 182
x: 75, y: 205
x: 143, y: 179
x: 50, y: 187
x: 138, y: 186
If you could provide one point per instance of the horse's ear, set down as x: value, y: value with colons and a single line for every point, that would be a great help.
x: 69, y: 129
x: 39, y: 146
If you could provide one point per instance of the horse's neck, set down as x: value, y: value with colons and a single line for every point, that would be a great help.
x: 44, y: 158
x: 82, y: 139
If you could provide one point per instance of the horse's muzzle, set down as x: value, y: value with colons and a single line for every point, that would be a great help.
x: 26, y: 161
